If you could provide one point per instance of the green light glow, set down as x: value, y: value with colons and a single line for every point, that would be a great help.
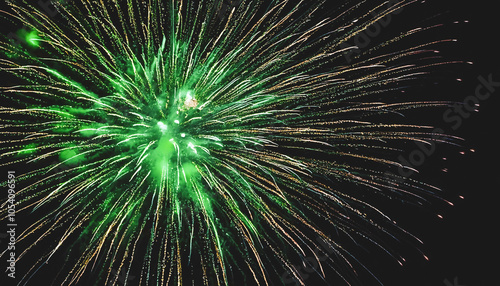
x: 71, y: 157
x: 28, y: 149
x: 163, y: 127
x: 30, y: 37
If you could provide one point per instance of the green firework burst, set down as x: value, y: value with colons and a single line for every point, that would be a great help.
x: 202, y: 138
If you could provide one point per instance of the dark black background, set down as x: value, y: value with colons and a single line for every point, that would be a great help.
x: 462, y: 245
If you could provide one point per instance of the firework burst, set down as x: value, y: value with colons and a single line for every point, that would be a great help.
x: 173, y: 139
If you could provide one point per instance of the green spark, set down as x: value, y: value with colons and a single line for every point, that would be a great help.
x: 31, y: 37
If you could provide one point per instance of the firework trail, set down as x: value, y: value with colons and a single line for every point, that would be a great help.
x: 196, y: 138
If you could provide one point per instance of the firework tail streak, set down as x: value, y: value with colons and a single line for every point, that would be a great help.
x: 228, y: 5
x: 27, y: 34
x: 363, y: 39
x: 454, y: 116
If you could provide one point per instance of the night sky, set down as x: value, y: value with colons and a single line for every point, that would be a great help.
x: 462, y: 246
